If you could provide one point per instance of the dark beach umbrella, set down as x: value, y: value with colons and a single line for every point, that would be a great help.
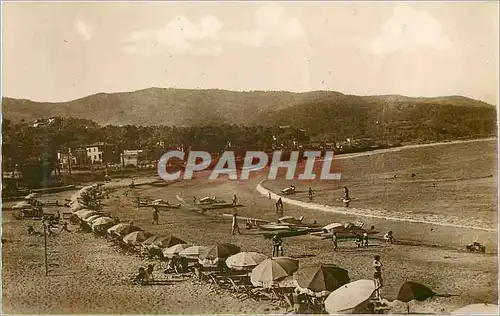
x: 320, y: 279
x: 410, y: 291
x: 219, y: 251
x: 125, y: 230
x: 167, y: 241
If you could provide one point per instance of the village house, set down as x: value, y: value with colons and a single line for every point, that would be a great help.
x: 132, y: 157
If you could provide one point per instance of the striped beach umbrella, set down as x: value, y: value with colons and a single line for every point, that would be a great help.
x: 272, y: 270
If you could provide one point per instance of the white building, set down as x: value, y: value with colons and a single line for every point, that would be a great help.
x: 132, y: 157
x: 95, y: 152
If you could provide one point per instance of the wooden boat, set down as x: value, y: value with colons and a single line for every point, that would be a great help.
x: 288, y: 233
x: 249, y: 219
x: 274, y: 227
x: 164, y: 207
x: 159, y: 183
x: 218, y: 206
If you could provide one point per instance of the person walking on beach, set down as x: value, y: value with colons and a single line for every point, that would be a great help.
x: 335, y: 241
x: 377, y: 275
x: 277, y: 244
x: 346, y: 193
x: 235, y: 226
x: 155, y: 216
x: 279, y: 206
x: 311, y: 192
x: 365, y: 239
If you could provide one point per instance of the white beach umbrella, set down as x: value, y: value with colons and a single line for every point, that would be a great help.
x: 173, y: 251
x: 102, y: 221
x: 477, y: 309
x: 117, y: 226
x: 245, y: 260
x: 92, y: 218
x: 349, y: 295
x: 192, y: 252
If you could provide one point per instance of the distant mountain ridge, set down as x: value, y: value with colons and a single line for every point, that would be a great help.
x: 189, y: 107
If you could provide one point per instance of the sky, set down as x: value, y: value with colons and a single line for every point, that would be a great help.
x: 56, y: 51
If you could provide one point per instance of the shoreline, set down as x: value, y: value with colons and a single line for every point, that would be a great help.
x: 357, y: 212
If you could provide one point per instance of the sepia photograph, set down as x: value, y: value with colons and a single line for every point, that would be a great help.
x: 260, y: 157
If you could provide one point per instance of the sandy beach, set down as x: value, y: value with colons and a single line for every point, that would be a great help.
x: 87, y: 275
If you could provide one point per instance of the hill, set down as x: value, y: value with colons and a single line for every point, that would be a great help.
x: 325, y: 114
x: 158, y: 106
x: 396, y: 119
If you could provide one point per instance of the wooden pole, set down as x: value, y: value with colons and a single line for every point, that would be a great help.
x: 45, y: 249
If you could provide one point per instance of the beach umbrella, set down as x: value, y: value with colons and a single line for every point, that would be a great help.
x: 102, y: 221
x: 125, y: 230
x: 77, y: 206
x: 167, y: 241
x: 87, y: 214
x: 349, y: 295
x: 21, y: 205
x: 192, y: 252
x: 148, y: 242
x: 410, y: 291
x: 173, y: 251
x: 245, y: 260
x: 215, y: 253
x: 117, y: 226
x: 158, y: 241
x: 136, y: 237
x: 272, y: 270
x: 80, y: 212
x: 477, y: 309
x: 31, y: 196
x: 320, y: 279
x: 92, y: 218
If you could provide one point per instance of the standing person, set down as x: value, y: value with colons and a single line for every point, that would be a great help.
x: 269, y: 195
x: 194, y: 200
x: 365, y: 239
x: 297, y: 306
x: 311, y: 192
x: 235, y: 200
x: 335, y: 241
x: 235, y: 226
x: 377, y: 275
x: 346, y: 193
x: 155, y: 216
x: 279, y: 205
x: 276, y: 245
